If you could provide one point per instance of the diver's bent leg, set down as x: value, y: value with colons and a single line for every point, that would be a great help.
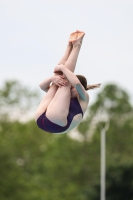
x: 58, y: 108
x: 77, y: 42
x: 72, y: 60
x: 66, y: 54
x: 46, y: 101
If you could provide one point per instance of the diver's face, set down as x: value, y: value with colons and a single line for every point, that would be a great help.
x: 74, y: 92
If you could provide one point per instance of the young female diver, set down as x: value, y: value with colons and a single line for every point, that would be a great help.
x: 66, y: 100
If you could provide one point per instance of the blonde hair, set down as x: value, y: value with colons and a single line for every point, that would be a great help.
x: 83, y: 81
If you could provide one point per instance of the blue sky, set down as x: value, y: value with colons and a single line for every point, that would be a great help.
x: 34, y: 34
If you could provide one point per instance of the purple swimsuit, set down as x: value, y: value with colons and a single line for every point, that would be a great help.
x: 45, y: 124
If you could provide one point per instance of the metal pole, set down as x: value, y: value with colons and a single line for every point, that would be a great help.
x: 103, y: 160
x: 103, y: 165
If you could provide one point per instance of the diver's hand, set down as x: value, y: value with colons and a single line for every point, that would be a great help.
x: 60, y: 80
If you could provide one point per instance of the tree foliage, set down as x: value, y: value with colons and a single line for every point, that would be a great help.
x: 16, y: 100
x: 38, y: 165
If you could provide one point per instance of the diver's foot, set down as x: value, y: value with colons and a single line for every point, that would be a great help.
x: 76, y: 37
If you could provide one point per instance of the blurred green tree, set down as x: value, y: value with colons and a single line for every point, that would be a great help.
x: 120, y: 182
x: 112, y: 105
x: 16, y: 100
x: 38, y: 165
